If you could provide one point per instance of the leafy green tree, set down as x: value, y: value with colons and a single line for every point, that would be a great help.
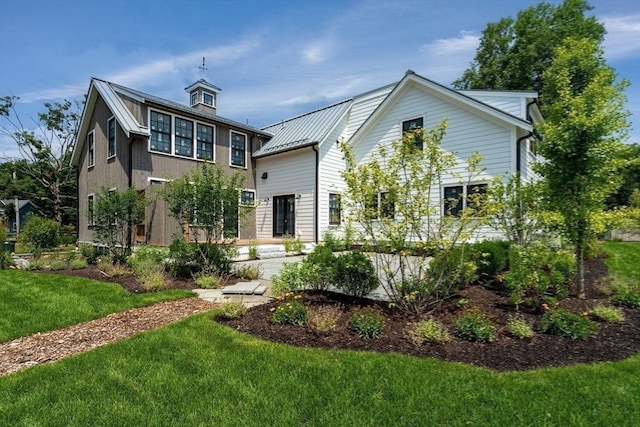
x: 623, y: 196
x: 581, y: 138
x: 115, y: 213
x: 514, y: 53
x: 393, y: 200
x: 40, y: 233
x: 47, y: 152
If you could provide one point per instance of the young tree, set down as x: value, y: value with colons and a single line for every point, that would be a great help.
x: 47, y: 152
x: 514, y: 53
x: 581, y: 138
x: 115, y: 213
x: 394, y: 201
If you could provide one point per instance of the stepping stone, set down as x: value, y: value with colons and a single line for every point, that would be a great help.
x: 260, y: 290
x: 242, y: 288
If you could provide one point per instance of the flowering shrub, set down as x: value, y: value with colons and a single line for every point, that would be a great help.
x: 367, y: 323
x: 290, y: 311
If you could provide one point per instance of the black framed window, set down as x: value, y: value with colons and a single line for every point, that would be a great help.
x: 475, y: 195
x: 247, y: 198
x: 184, y: 137
x: 459, y: 197
x: 208, y: 99
x: 238, y: 149
x: 387, y: 205
x: 111, y: 136
x: 334, y: 209
x: 91, y: 149
x: 194, y: 98
x: 160, y: 132
x: 413, y: 125
x: 204, y: 142
x: 453, y: 200
x: 90, y: 210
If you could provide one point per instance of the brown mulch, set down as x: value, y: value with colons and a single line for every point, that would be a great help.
x: 50, y: 346
x: 505, y: 353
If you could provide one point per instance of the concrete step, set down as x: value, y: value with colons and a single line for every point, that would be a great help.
x: 244, y: 288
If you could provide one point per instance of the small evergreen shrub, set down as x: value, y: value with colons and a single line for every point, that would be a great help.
x: 606, y: 314
x: 209, y: 281
x: 567, y: 324
x: 289, y: 312
x: 491, y: 258
x: 90, y: 253
x: 57, y: 265
x: 323, y: 319
x: 231, y: 310
x: 453, y: 268
x: 519, y: 328
x: 429, y: 331
x: 78, y: 264
x: 367, y: 323
x: 355, y: 274
x: 474, y: 326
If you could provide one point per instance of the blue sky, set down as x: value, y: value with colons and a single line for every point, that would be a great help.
x: 272, y: 59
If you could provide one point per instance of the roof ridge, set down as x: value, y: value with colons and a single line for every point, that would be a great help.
x: 308, y: 113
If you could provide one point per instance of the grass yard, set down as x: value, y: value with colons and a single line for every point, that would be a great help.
x: 34, y: 302
x: 623, y: 258
x: 197, y: 372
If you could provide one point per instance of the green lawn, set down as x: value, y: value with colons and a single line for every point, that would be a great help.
x: 197, y: 372
x: 623, y: 258
x: 33, y: 302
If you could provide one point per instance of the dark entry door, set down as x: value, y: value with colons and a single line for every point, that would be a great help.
x: 284, y: 217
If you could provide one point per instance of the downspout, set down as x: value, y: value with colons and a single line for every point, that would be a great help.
x: 316, y: 216
x: 529, y: 135
x: 77, y: 203
x: 129, y: 185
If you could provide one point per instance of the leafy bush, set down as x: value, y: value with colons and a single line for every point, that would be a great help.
x: 332, y: 242
x: 536, y: 272
x: 290, y: 312
x: 355, y: 274
x: 148, y: 253
x: 453, y: 269
x: 106, y: 265
x: 231, y: 310
x: 324, y: 319
x: 474, y: 326
x: 6, y: 260
x: 606, y: 314
x: 209, y: 281
x: 253, y: 251
x: 40, y: 233
x: 189, y: 258
x: 367, y: 323
x: 57, y: 265
x: 491, y: 257
x: 429, y: 330
x: 567, y: 324
x: 67, y: 235
x: 248, y: 272
x: 292, y: 246
x: 314, y: 272
x: 36, y: 264
x: 151, y: 274
x: 78, y: 264
x: 289, y: 279
x: 91, y: 252
x: 519, y: 328
x: 624, y: 292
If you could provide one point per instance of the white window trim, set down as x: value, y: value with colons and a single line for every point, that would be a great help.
x: 464, y: 194
x: 248, y: 190
x: 194, y: 138
x: 115, y: 137
x: 334, y: 224
x: 213, y: 97
x: 152, y: 179
x: 91, y: 161
x: 197, y: 94
x: 246, y: 144
x: 91, y: 219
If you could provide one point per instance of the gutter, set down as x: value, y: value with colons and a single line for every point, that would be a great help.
x: 519, y: 140
x: 316, y: 216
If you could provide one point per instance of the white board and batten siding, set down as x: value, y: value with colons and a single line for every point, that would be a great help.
x: 291, y: 173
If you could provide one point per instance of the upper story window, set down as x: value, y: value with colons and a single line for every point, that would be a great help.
x: 111, y: 137
x: 247, y: 198
x: 184, y: 137
x: 459, y: 197
x: 90, y: 209
x: 238, y: 149
x: 334, y: 209
x: 160, y: 132
x: 208, y: 99
x: 194, y: 98
x: 204, y: 142
x: 412, y: 125
x: 91, y: 149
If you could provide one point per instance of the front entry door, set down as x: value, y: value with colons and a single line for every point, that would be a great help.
x: 284, y: 217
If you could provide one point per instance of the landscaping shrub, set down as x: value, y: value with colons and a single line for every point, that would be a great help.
x: 148, y: 253
x: 624, y: 292
x: 519, y: 328
x: 474, y: 326
x: 289, y: 279
x: 355, y: 274
x: 248, y: 272
x: 429, y: 331
x: 490, y: 257
x: 78, y: 264
x: 323, y: 319
x: 6, y: 260
x: 209, y: 281
x: 151, y: 274
x: 290, y: 312
x: 231, y: 310
x: 606, y: 314
x: 67, y: 235
x: 91, y: 252
x: 57, y: 265
x: 189, y: 258
x: 292, y: 246
x: 253, y: 251
x: 333, y: 243
x: 367, y: 323
x: 536, y: 272
x: 453, y: 270
x: 35, y: 264
x: 567, y: 324
x: 40, y: 233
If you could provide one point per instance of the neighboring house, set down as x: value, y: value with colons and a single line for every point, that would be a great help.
x: 298, y: 171
x: 8, y: 213
x: 128, y: 138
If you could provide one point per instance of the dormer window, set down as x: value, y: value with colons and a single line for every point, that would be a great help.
x: 194, y: 98
x: 208, y: 99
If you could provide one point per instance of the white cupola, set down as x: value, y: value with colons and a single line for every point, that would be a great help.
x: 202, y: 95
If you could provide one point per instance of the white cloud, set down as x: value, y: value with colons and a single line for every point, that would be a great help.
x: 466, y: 43
x: 623, y: 36
x: 316, y: 53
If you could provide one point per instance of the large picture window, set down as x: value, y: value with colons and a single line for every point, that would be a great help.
x: 160, y: 132
x: 238, y: 149
x: 204, y: 142
x: 111, y: 137
x: 184, y: 137
x: 413, y: 125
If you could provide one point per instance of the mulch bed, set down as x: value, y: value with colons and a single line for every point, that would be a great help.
x: 505, y: 353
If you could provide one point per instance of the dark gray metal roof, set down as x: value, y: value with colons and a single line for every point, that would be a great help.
x: 304, y: 130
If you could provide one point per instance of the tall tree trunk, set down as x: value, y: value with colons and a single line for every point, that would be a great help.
x: 580, y: 268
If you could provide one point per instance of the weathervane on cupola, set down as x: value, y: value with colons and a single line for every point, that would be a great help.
x: 202, y: 93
